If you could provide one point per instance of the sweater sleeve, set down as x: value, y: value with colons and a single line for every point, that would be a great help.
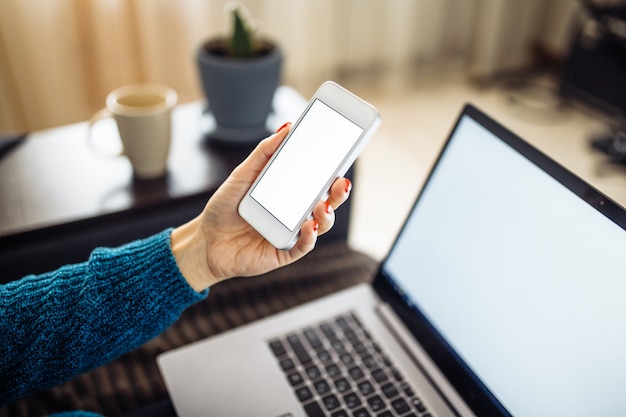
x: 59, y: 324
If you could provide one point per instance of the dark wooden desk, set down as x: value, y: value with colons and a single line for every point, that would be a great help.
x: 59, y: 199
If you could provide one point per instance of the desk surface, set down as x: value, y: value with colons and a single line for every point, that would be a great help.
x: 53, y: 177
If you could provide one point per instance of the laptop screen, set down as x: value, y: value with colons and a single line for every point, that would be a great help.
x: 513, y: 277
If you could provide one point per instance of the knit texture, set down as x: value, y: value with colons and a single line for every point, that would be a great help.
x: 133, y: 381
x: 66, y: 322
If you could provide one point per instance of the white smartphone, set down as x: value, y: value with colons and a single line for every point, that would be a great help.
x: 321, y: 146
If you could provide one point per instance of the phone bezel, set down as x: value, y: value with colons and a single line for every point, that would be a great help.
x: 349, y: 106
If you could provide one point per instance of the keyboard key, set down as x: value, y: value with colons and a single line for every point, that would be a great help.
x: 324, y: 356
x: 342, y: 322
x: 369, y: 361
x: 346, y: 359
x: 299, y: 349
x: 387, y: 361
x: 361, y: 412
x: 277, y: 348
x: 331, y: 402
x: 314, y: 341
x: 328, y: 331
x: 287, y: 364
x: 342, y: 385
x: 390, y: 390
x: 418, y: 404
x: 356, y: 320
x: 397, y: 375
x: 352, y: 400
x: 321, y: 387
x: 400, y: 405
x: 340, y: 413
x: 351, y: 335
x: 333, y: 370
x: 314, y: 410
x: 376, y: 403
x: 313, y: 372
x: 338, y: 345
x: 356, y: 373
x: 295, y: 378
x: 407, y: 389
x: 304, y: 394
x: 366, y: 388
x: 385, y: 413
x: 379, y: 375
x: 360, y: 348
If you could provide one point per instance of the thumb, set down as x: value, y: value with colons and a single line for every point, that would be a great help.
x: 250, y: 168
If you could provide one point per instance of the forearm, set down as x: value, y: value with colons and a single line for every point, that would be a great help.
x: 56, y: 325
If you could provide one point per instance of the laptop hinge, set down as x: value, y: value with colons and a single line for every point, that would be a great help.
x: 421, y: 359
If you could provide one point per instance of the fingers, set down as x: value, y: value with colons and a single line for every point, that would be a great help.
x: 324, y: 215
x: 324, y: 211
x: 254, y: 163
x: 339, y: 192
x: 307, y: 240
x: 323, y: 218
x: 268, y: 146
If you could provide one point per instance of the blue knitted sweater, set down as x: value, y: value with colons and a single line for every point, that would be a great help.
x: 60, y: 324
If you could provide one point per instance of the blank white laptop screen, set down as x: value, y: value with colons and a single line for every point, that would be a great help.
x: 523, y: 279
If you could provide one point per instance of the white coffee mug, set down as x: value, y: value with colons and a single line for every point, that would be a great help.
x: 143, y: 113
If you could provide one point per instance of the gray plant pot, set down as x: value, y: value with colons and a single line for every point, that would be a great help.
x: 239, y: 91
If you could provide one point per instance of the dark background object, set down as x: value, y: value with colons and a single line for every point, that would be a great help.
x: 239, y: 91
x: 595, y: 71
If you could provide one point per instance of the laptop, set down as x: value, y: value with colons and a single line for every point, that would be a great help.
x: 504, y: 294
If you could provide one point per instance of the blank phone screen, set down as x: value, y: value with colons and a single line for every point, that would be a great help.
x: 316, y: 148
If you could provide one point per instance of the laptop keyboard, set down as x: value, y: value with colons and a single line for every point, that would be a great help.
x: 336, y: 369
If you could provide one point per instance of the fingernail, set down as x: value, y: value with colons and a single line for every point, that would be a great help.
x: 348, y: 185
x: 283, y: 126
x: 316, y: 226
x: 329, y: 208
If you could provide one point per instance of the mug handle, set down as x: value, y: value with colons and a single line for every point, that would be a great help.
x: 103, y: 113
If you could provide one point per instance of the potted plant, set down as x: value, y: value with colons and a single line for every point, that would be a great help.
x: 239, y: 73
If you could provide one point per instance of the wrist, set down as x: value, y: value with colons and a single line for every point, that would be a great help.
x: 189, y: 249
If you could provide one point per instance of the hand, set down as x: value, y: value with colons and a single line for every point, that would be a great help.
x: 219, y: 244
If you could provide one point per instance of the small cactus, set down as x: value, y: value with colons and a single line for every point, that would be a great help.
x: 242, y: 41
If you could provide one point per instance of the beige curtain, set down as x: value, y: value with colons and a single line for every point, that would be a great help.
x: 59, y: 58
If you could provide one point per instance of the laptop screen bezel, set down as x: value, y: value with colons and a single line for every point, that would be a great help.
x: 465, y: 382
